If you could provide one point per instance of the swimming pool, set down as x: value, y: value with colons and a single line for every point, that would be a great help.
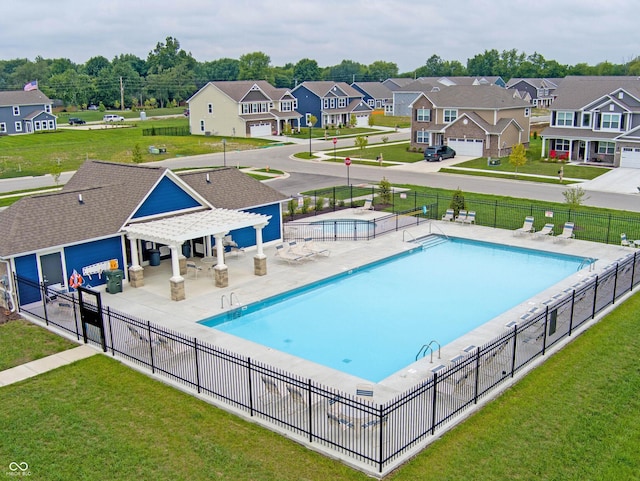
x: 371, y: 322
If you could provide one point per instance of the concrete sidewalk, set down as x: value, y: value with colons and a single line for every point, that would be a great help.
x: 45, y: 364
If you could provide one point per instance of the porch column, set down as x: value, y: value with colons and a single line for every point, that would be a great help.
x: 542, y: 150
x: 220, y: 270
x: 136, y: 271
x: 176, y: 281
x: 259, y: 260
x: 587, y: 151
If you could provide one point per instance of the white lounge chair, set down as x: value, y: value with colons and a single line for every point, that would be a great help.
x: 284, y: 252
x: 193, y: 268
x: 567, y: 231
x: 624, y: 242
x: 300, y: 250
x: 527, y: 226
x: 311, y: 246
x: 368, y: 205
x: 471, y: 217
x: 462, y: 216
x: 545, y: 231
x: 448, y: 215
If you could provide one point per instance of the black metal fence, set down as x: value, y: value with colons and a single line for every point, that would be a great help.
x: 502, y: 214
x: 374, y: 434
x: 169, y: 131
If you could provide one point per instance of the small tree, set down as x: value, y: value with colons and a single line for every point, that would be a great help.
x: 306, y: 203
x: 291, y: 207
x: 385, y: 191
x: 518, y: 156
x: 136, y: 154
x: 361, y: 142
x: 372, y: 121
x: 457, y: 202
x: 353, y: 120
x: 574, y: 197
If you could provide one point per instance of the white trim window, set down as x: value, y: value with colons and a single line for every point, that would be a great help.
x: 325, y: 103
x: 36, y: 125
x: 332, y: 103
x: 562, y: 145
x: 210, y: 108
x: 586, y: 119
x: 610, y: 122
x: 564, y: 119
x: 342, y: 102
x: 527, y: 111
x: 286, y: 106
x: 202, y: 126
x: 450, y: 115
x: 52, y: 125
x: 3, y: 128
x: 18, y: 126
x: 47, y: 108
x: 422, y: 137
x: 16, y: 110
x: 423, y: 115
x: 371, y: 103
x: 606, y: 147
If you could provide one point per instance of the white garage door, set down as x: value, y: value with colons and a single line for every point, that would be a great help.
x: 471, y: 147
x: 362, y: 120
x: 260, y: 130
x: 630, y: 157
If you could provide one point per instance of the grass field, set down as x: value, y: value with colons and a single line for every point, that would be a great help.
x: 574, y: 418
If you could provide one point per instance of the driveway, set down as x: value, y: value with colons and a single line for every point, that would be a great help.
x: 621, y: 180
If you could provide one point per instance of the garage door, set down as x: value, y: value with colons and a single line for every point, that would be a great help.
x: 471, y: 147
x: 630, y: 157
x: 260, y: 130
x: 362, y: 120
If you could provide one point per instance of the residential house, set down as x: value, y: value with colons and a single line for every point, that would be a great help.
x: 394, y: 84
x: 128, y: 216
x: 595, y: 119
x: 243, y: 108
x: 25, y: 112
x: 377, y: 95
x: 541, y: 91
x: 332, y: 103
x: 475, y: 120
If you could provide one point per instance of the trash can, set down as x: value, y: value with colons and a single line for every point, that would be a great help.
x: 186, y: 249
x: 114, y: 280
x: 154, y: 257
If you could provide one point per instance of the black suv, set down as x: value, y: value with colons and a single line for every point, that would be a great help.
x: 76, y: 121
x: 439, y: 152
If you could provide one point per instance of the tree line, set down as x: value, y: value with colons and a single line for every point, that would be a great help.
x: 169, y: 75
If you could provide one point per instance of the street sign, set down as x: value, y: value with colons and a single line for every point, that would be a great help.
x: 335, y: 140
x: 347, y: 161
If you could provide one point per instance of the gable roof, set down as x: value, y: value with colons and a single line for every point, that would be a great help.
x: 376, y: 90
x: 396, y: 83
x: 576, y: 92
x: 475, y: 97
x: 238, y: 89
x: 323, y: 87
x: 20, y: 97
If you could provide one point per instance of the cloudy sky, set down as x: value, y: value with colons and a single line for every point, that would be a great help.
x: 406, y: 32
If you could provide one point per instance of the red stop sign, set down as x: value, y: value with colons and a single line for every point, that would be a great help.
x: 335, y: 141
x: 347, y: 161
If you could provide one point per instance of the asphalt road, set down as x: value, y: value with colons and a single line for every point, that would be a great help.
x: 307, y: 175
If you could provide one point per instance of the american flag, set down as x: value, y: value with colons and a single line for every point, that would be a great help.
x: 33, y: 85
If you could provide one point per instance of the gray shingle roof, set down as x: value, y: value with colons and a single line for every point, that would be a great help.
x: 376, y: 90
x: 323, y: 87
x: 20, y: 97
x: 576, y: 92
x: 475, y: 97
x: 238, y: 89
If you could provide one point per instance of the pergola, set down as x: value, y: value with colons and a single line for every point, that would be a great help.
x: 174, y: 231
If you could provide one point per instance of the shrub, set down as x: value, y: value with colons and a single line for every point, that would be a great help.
x: 332, y: 202
x: 457, y: 202
x: 306, y: 203
x: 574, y: 197
x: 291, y: 207
x: 385, y: 191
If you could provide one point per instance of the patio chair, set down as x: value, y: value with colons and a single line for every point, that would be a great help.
x: 311, y: 246
x: 624, y: 242
x: 284, y: 252
x: 527, y: 226
x: 193, y: 268
x: 567, y: 231
x: 297, y: 396
x: 368, y: 205
x: 298, y: 249
x: 545, y: 231
x: 273, y: 392
x: 471, y: 217
x: 461, y: 217
x: 448, y: 215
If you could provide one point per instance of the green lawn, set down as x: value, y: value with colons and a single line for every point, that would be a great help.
x: 574, y: 418
x: 97, y: 115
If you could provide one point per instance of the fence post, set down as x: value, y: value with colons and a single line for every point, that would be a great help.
x: 513, y: 356
x: 608, y: 230
x: 250, y: 387
x: 309, y: 404
x: 433, y: 403
x: 195, y: 347
x: 615, y: 284
x: 495, y: 214
x: 477, y: 383
x: 380, y: 438
x: 595, y: 297
x: 153, y: 366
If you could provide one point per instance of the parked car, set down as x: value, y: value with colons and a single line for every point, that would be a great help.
x: 76, y: 121
x: 92, y: 107
x: 113, y: 118
x: 439, y: 152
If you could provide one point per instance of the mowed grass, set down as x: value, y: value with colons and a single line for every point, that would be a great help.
x: 66, y: 149
x: 576, y: 417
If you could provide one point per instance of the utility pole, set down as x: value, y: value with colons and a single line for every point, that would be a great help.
x: 121, y: 95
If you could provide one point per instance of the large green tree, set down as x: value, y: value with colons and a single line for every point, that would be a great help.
x: 379, y: 71
x: 306, y: 70
x: 255, y: 66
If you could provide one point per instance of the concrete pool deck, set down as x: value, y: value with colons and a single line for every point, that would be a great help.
x: 203, y: 300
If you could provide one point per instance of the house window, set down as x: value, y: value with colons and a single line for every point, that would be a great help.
x: 210, y: 108
x: 564, y: 119
x: 527, y: 111
x: 371, y: 103
x: 51, y: 125
x: 286, y: 106
x: 325, y: 103
x: 606, y: 147
x: 295, y: 103
x: 586, y: 119
x: 307, y: 119
x: 333, y: 103
x: 3, y: 128
x: 450, y: 115
x: 16, y: 110
x: 18, y: 126
x: 246, y: 108
x: 422, y: 137
x: 562, y: 144
x: 610, y: 121
x: 36, y: 125
x: 202, y: 126
x: 342, y: 102
x: 47, y: 109
x: 423, y: 115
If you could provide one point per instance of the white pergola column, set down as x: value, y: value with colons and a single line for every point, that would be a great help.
x: 175, y: 264
x: 136, y: 271
x: 220, y: 248
x: 220, y: 270
x: 259, y: 244
x: 135, y: 257
x: 259, y: 260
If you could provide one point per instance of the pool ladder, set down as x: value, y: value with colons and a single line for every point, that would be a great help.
x: 587, y: 260
x: 428, y: 347
x: 230, y: 300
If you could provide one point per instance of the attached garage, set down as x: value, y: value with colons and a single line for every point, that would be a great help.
x: 630, y: 157
x: 262, y: 129
x: 362, y: 120
x: 472, y: 147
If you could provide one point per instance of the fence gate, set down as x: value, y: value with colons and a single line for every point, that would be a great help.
x: 91, y: 316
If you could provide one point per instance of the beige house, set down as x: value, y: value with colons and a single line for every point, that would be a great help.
x: 244, y: 108
x: 475, y: 120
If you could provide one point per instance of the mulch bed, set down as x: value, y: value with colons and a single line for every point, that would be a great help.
x: 6, y: 316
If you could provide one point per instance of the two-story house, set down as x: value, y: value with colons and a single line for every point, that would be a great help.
x: 25, y: 112
x: 475, y: 120
x: 377, y: 95
x: 595, y: 119
x: 332, y: 103
x: 243, y: 108
x: 541, y: 91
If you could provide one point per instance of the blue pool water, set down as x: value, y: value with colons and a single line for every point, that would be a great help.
x: 372, y: 322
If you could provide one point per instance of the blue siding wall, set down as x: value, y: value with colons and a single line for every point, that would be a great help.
x: 27, y: 267
x: 308, y: 103
x: 166, y: 197
x: 246, y: 237
x: 81, y: 255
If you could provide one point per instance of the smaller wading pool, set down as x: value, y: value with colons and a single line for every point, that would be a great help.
x: 371, y: 321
